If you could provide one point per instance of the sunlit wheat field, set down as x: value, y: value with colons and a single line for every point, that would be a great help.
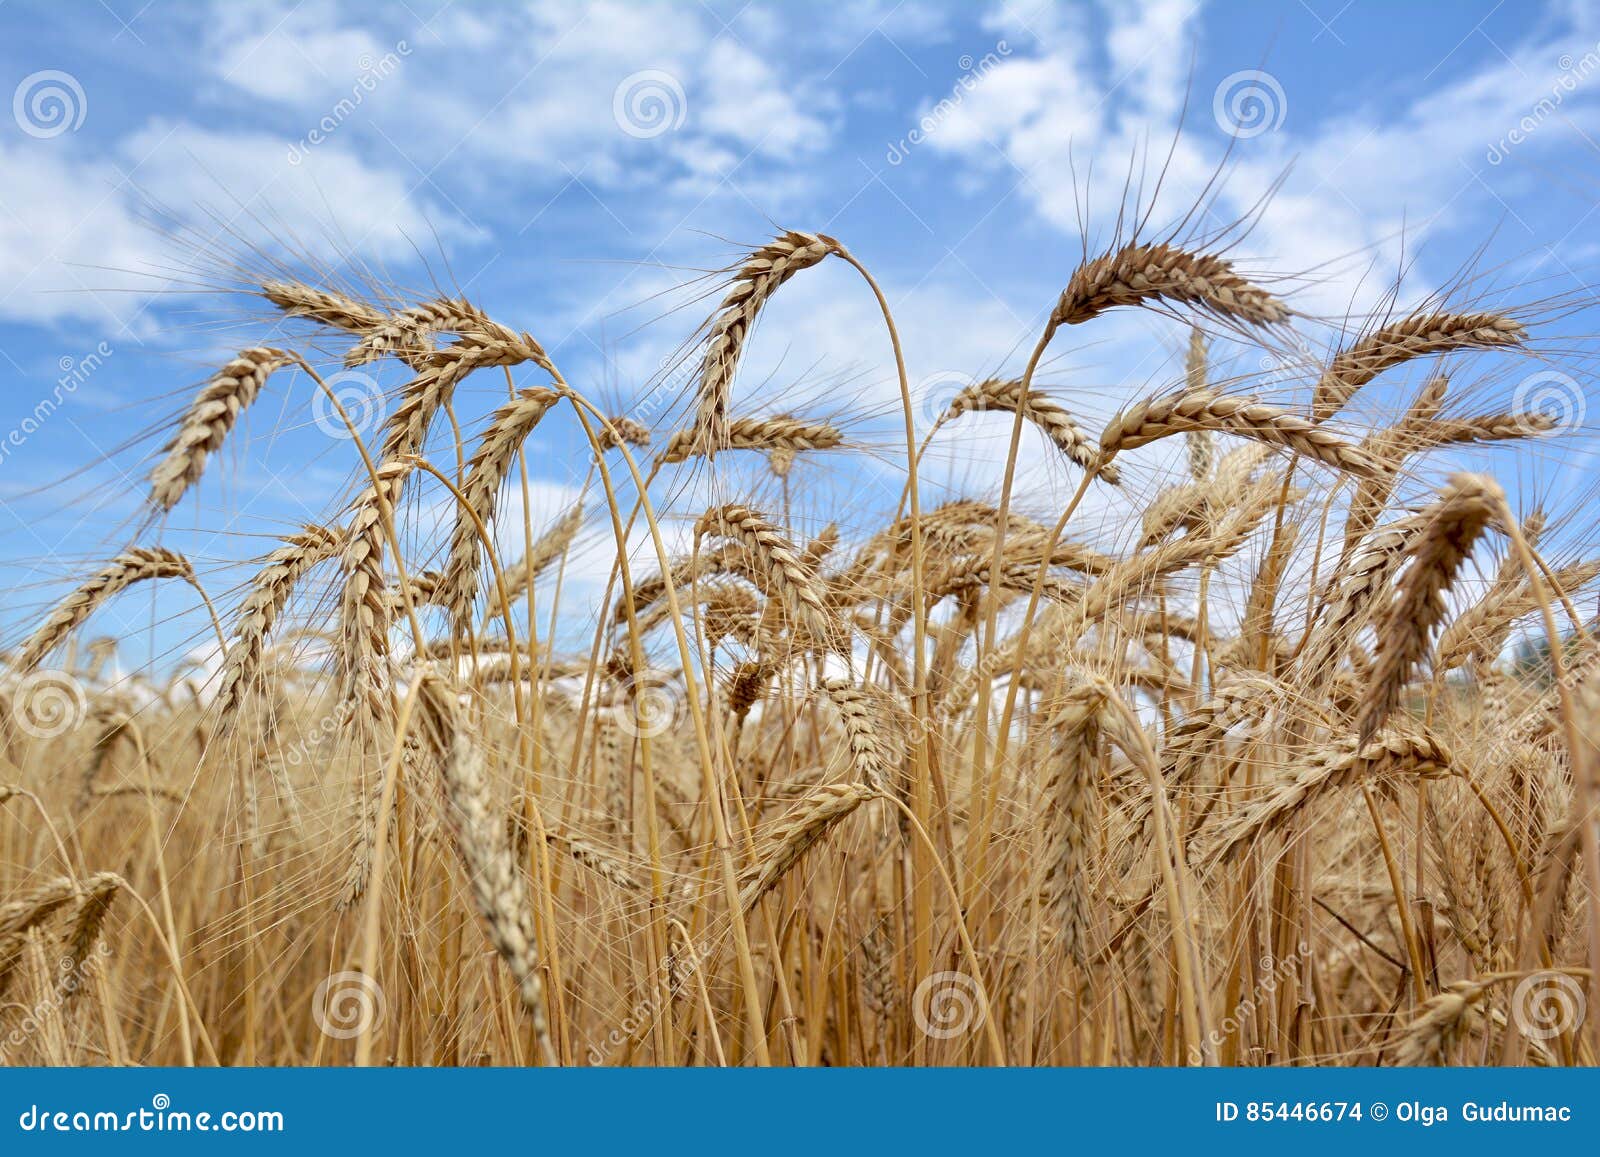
x: 1212, y: 678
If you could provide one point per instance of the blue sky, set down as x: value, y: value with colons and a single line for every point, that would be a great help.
x: 576, y: 168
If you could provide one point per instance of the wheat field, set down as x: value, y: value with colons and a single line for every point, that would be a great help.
x: 1223, y: 761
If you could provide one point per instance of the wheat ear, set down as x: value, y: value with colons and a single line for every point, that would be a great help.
x: 754, y: 283
x: 1156, y: 418
x: 1037, y: 407
x: 137, y: 564
x: 209, y: 418
x: 782, y: 434
x: 269, y: 593
x: 1450, y: 527
x: 805, y: 826
x: 482, y: 843
x: 1417, y: 336
x: 1138, y: 273
x: 486, y: 474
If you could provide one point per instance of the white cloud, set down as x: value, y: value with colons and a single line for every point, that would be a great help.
x: 297, y: 55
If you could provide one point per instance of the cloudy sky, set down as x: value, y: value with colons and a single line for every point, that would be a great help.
x: 578, y: 169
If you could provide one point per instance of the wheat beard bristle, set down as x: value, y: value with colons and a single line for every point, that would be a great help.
x: 1450, y: 527
x: 1139, y: 273
x: 754, y: 283
x: 131, y: 566
x: 210, y: 417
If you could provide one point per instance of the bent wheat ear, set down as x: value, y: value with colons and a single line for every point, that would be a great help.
x: 129, y: 567
x: 1418, y: 336
x: 210, y: 416
x: 1136, y: 274
x: 1450, y: 527
x: 805, y: 826
x: 411, y: 330
x: 754, y: 283
x: 781, y: 570
x: 1349, y: 761
x: 486, y: 473
x: 1156, y: 418
x: 269, y: 592
x: 1037, y: 407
